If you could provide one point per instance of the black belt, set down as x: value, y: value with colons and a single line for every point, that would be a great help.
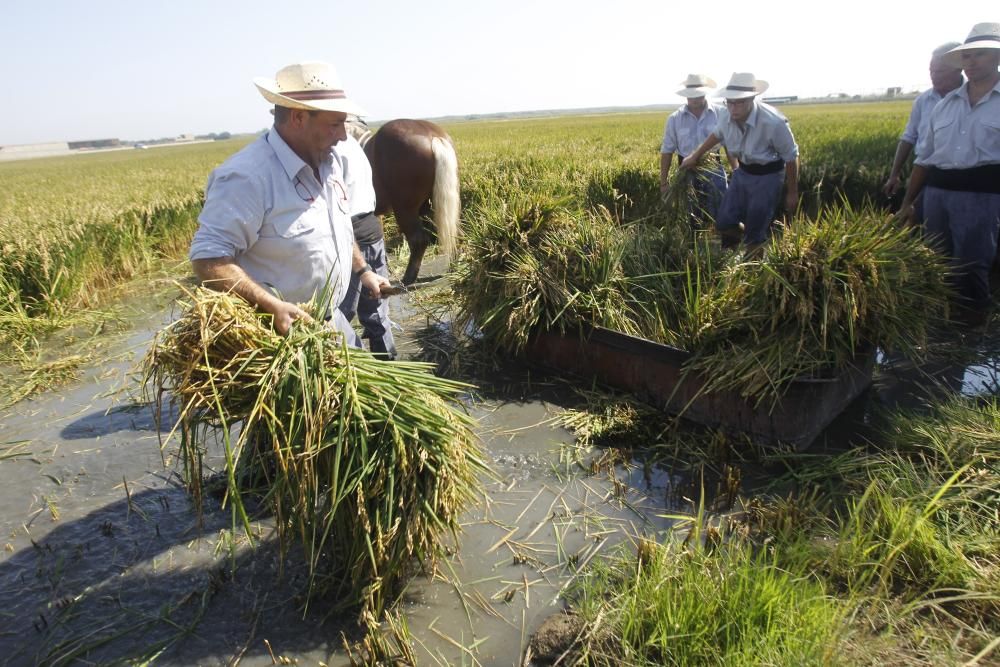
x: 360, y: 216
x: 985, y: 178
x: 762, y: 169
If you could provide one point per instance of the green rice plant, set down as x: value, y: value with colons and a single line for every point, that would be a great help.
x: 911, y: 524
x: 366, y: 464
x: 729, y: 605
x: 632, y: 193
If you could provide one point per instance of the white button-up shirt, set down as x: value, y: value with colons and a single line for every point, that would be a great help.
x: 357, y: 175
x: 960, y: 136
x: 919, y: 114
x: 290, y: 232
x: 765, y: 138
x: 684, y: 131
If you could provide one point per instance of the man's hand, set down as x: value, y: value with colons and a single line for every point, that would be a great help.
x: 285, y: 314
x: 905, y: 215
x: 791, y: 204
x: 691, y: 161
x: 374, y: 283
x: 891, y: 186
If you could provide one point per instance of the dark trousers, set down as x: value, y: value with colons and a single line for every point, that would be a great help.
x: 373, y: 314
x: 965, y: 225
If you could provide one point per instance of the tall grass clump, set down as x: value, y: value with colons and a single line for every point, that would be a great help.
x: 905, y: 531
x: 728, y: 605
x: 365, y: 464
x: 923, y: 517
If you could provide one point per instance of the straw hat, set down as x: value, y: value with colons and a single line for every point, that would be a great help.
x: 983, y: 36
x: 742, y: 85
x: 696, y: 85
x: 307, y: 85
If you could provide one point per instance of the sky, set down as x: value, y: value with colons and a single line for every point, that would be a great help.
x: 146, y: 69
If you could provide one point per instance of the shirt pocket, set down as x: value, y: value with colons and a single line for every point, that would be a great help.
x: 298, y: 224
x: 986, y: 136
x: 943, y: 131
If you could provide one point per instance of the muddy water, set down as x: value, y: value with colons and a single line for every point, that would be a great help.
x: 105, y: 560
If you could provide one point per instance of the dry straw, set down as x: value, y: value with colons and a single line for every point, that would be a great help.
x: 365, y: 463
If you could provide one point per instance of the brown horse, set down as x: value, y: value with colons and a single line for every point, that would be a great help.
x: 415, y: 172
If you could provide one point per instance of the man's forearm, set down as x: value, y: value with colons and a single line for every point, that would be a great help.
x: 666, y: 159
x: 357, y: 259
x: 903, y: 150
x: 915, y: 185
x: 792, y: 176
x: 225, y: 275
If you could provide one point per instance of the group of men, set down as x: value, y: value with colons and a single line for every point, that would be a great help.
x: 953, y: 190
x: 289, y: 219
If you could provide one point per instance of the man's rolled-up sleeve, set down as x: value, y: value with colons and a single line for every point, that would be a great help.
x: 230, y: 220
x: 784, y: 143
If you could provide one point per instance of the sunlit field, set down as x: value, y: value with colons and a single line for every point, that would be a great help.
x: 72, y: 225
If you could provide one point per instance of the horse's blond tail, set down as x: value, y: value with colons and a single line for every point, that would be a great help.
x: 445, y: 199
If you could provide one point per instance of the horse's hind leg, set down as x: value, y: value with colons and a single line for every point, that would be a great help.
x: 413, y: 229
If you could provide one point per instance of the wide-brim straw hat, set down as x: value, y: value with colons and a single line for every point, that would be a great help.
x: 308, y: 85
x: 741, y: 86
x: 696, y: 85
x: 982, y: 36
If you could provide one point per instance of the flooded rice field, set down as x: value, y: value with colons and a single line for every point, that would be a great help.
x: 105, y: 559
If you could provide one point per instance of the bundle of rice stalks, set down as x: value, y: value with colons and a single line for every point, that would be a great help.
x: 365, y: 463
x: 540, y: 267
x: 683, y: 202
x: 823, y: 292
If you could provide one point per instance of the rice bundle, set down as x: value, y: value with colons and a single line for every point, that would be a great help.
x: 542, y: 267
x: 365, y: 463
x: 823, y: 291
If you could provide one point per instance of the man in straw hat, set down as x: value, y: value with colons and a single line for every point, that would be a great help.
x: 958, y: 160
x: 276, y: 224
x: 685, y: 130
x: 944, y: 79
x: 759, y: 137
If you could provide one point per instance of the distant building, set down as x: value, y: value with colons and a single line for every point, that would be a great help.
x: 893, y: 91
x: 94, y: 143
x: 780, y: 100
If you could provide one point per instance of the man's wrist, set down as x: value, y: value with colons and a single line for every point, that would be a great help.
x: 363, y: 270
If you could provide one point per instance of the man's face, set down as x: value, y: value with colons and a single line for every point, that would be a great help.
x: 696, y: 104
x: 323, y: 129
x: 980, y: 64
x: 944, y: 78
x: 739, y: 110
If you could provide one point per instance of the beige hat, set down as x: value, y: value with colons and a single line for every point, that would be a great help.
x: 307, y: 85
x: 983, y: 36
x: 742, y: 85
x: 696, y: 85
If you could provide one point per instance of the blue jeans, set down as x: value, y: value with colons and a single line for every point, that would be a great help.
x: 373, y: 314
x: 965, y: 225
x: 752, y: 200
